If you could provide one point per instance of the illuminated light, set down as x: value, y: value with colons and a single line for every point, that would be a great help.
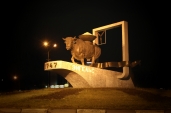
x: 45, y: 43
x: 61, y: 86
x: 66, y: 85
x: 56, y: 86
x: 15, y: 77
x: 52, y: 86
x: 55, y: 45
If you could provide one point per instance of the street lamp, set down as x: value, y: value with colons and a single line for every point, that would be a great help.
x: 46, y: 44
x: 17, y: 81
x: 49, y: 47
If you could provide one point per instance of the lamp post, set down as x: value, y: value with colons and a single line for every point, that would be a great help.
x: 17, y: 81
x: 49, y: 47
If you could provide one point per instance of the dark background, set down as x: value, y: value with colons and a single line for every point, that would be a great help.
x: 27, y: 24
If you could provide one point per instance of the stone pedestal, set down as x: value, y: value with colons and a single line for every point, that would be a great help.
x: 80, y: 76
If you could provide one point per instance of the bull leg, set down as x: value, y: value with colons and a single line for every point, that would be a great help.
x: 82, y: 58
x: 82, y: 61
x: 72, y: 59
x: 93, y: 61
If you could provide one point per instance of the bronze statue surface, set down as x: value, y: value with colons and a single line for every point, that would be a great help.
x: 81, y: 50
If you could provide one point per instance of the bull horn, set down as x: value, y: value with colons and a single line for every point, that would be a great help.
x: 63, y: 38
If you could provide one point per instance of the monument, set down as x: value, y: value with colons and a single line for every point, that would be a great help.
x: 85, y: 48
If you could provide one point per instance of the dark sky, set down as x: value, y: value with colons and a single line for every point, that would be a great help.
x: 26, y: 24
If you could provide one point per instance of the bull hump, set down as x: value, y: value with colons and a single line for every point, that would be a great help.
x: 85, y: 44
x: 89, y: 49
x: 85, y: 50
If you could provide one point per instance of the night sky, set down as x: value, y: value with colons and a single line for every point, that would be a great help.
x: 26, y: 24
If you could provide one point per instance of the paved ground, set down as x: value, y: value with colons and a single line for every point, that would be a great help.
x: 6, y: 110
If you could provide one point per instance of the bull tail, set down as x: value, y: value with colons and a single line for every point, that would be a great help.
x: 97, y: 52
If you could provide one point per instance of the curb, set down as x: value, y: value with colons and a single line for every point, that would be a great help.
x: 13, y: 110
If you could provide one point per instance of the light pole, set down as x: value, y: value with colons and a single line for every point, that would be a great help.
x: 17, y: 81
x: 49, y: 47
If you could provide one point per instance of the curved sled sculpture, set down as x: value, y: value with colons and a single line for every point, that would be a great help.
x: 80, y: 76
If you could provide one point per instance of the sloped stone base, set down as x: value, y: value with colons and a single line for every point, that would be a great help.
x: 80, y: 76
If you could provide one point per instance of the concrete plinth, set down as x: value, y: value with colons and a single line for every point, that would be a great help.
x: 80, y: 76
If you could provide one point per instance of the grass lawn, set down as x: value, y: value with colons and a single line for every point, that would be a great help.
x: 92, y: 98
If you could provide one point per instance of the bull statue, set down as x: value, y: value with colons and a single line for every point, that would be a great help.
x: 81, y: 50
